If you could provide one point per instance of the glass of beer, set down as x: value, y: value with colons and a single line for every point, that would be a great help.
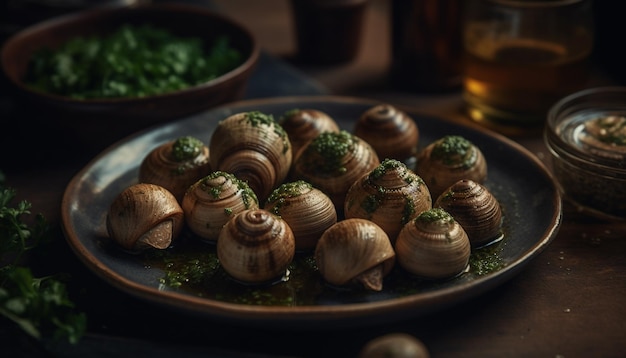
x: 521, y: 56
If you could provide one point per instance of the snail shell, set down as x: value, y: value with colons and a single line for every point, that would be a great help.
x: 176, y: 165
x: 333, y: 161
x: 211, y: 201
x: 144, y: 216
x: 433, y: 246
x: 475, y: 208
x: 394, y: 345
x: 448, y: 160
x: 390, y: 195
x: 391, y: 132
x: 307, y: 211
x: 355, y: 250
x: 302, y: 125
x: 253, y: 147
x: 256, y: 246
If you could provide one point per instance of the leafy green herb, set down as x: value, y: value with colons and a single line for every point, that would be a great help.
x: 134, y: 61
x: 40, y: 306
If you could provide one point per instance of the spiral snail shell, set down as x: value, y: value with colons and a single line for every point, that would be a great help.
x: 255, y: 246
x: 176, y: 164
x: 390, y: 131
x: 433, y: 246
x: 253, y: 147
x: 307, y: 211
x: 144, y: 216
x: 302, y: 125
x: 474, y: 207
x: 448, y: 160
x: 394, y: 345
x: 355, y: 251
x: 211, y: 201
x: 390, y: 195
x: 333, y: 161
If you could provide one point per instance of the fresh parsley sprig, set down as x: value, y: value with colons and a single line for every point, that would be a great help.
x: 40, y: 306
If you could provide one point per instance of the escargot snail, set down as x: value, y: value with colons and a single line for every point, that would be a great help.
x: 175, y: 165
x: 307, y: 210
x: 433, y: 246
x: 474, y: 207
x: 302, y: 125
x: 390, y: 195
x: 333, y: 161
x: 448, y: 160
x: 355, y: 251
x: 254, y: 148
x: 394, y: 345
x: 144, y: 216
x: 211, y: 201
x: 255, y: 246
x: 390, y: 131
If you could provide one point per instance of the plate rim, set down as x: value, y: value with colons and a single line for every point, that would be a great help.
x: 385, y: 310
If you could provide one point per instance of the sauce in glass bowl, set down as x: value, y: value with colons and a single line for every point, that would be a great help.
x: 586, y: 136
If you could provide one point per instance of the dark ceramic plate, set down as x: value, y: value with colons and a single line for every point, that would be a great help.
x: 525, y: 189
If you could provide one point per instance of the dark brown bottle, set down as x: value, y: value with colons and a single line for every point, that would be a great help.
x: 328, y: 32
x: 426, y: 45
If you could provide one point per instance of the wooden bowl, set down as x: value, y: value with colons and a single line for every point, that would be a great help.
x: 114, y: 118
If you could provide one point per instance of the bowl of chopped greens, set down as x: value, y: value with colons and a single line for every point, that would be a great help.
x: 120, y: 69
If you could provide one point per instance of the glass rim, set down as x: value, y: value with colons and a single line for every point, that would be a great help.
x: 571, y: 105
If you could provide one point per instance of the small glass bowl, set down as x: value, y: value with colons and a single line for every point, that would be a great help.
x: 586, y: 136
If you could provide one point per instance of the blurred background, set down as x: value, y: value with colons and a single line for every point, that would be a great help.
x: 366, y: 75
x: 17, y: 14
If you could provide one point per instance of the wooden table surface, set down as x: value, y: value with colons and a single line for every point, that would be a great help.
x: 568, y: 302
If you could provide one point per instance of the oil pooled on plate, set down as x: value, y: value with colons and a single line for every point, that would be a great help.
x: 191, y: 266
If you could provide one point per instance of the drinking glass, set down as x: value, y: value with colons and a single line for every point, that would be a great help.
x: 521, y: 56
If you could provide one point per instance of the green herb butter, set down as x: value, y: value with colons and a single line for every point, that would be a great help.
x: 385, y: 165
x: 434, y: 215
x: 285, y: 191
x: 331, y: 148
x: 258, y: 119
x: 186, y: 148
x: 454, y: 150
x: 248, y: 196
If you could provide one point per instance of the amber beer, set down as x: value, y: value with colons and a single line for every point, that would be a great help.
x: 511, y: 80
